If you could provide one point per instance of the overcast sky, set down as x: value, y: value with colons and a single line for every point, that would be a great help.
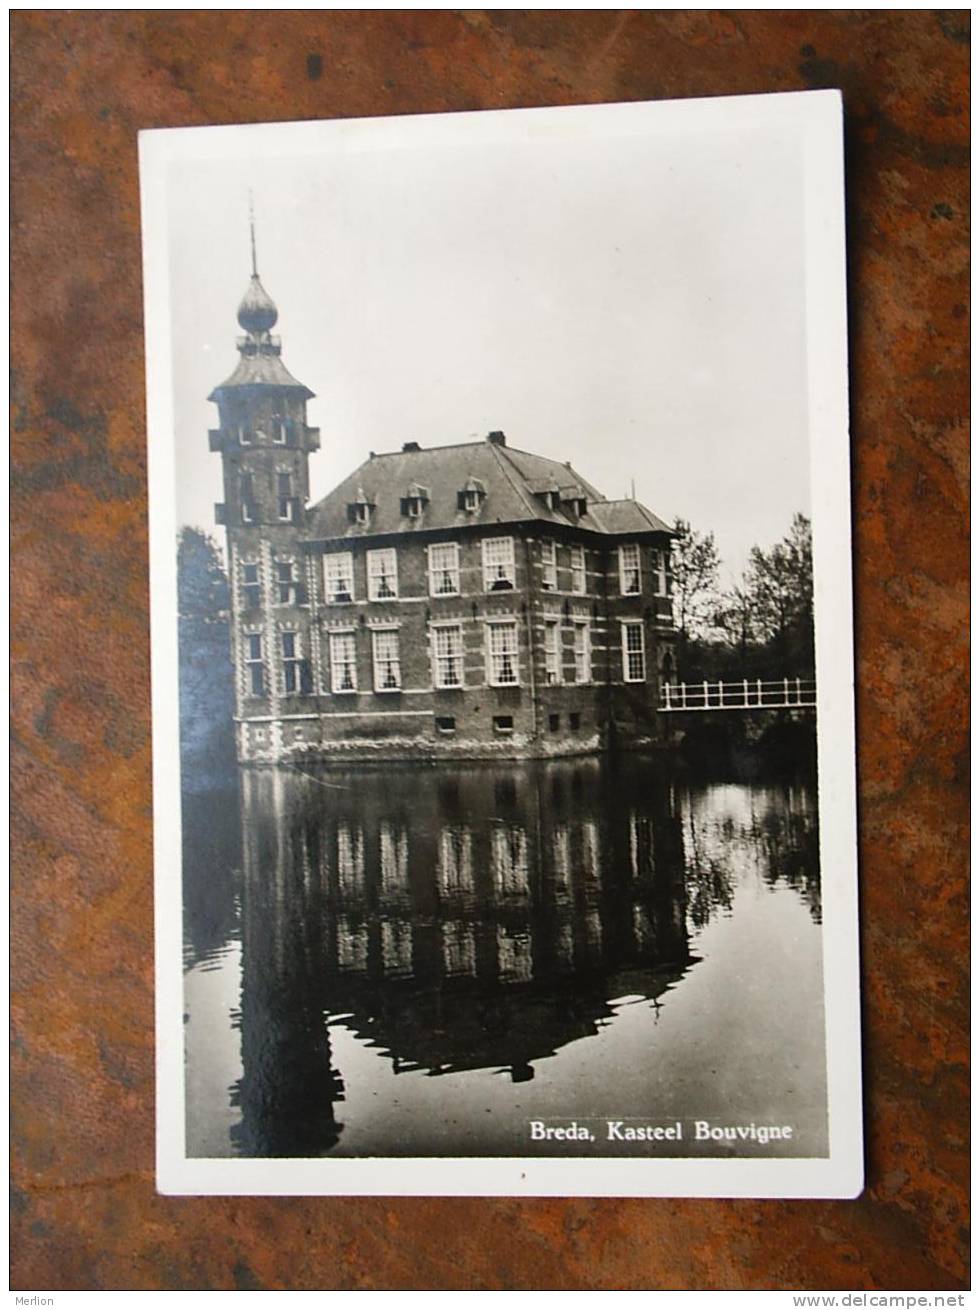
x: 632, y: 303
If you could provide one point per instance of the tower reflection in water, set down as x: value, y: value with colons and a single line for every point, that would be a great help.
x: 462, y: 919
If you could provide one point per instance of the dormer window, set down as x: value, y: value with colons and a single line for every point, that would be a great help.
x: 414, y: 501
x: 575, y: 504
x: 549, y: 495
x: 470, y: 498
x: 360, y: 509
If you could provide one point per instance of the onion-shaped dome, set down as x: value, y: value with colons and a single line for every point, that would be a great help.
x: 257, y: 312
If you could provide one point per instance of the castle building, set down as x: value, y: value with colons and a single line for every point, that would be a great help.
x: 463, y: 601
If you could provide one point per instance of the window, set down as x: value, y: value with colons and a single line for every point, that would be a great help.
x: 629, y: 569
x: 578, y: 571
x: 471, y: 500
x: 659, y: 560
x: 415, y: 500
x: 343, y: 662
x: 360, y: 509
x: 634, y: 660
x: 552, y: 651
x: 575, y: 720
x: 549, y: 566
x: 446, y: 725
x: 582, y: 646
x: 278, y: 429
x: 338, y: 578
x: 254, y: 668
x: 502, y: 654
x: 251, y: 586
x: 285, y: 582
x: 498, y: 563
x: 244, y: 434
x: 444, y: 569
x: 247, y: 492
x: 554, y: 722
x: 447, y: 650
x: 503, y: 723
x: 292, y: 664
x: 382, y: 575
x: 284, y: 492
x: 387, y: 666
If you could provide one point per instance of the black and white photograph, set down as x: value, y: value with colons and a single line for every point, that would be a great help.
x: 502, y: 653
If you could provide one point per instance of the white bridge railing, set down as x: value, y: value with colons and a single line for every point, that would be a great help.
x: 749, y: 694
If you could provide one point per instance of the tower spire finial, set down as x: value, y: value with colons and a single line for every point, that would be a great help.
x: 251, y: 228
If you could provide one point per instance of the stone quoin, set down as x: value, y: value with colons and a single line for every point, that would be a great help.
x: 465, y: 601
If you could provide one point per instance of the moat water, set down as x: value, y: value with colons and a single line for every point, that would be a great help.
x: 427, y: 961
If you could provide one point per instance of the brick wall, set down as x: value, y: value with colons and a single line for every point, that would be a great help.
x: 543, y: 713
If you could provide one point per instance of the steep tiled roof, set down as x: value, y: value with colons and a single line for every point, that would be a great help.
x: 510, y: 480
x: 622, y: 516
x: 263, y: 369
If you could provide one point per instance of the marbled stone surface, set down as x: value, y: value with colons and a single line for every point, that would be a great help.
x: 85, y: 1212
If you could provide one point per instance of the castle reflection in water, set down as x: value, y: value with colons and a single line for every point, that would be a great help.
x: 477, y: 918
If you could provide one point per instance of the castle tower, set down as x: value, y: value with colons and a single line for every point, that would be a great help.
x: 264, y: 443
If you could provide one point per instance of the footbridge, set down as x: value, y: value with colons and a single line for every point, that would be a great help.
x: 746, y: 694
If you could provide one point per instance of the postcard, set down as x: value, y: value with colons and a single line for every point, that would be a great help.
x: 504, y: 762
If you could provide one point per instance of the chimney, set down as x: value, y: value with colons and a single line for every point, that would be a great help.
x: 409, y: 446
x: 496, y: 439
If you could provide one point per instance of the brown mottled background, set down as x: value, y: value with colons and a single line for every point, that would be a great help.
x: 85, y: 1211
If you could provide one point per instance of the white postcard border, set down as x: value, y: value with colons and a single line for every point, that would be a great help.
x: 818, y: 118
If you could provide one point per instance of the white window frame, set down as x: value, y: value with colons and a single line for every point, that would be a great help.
x: 659, y: 556
x: 581, y: 628
x: 459, y: 655
x: 376, y: 660
x: 328, y: 595
x: 552, y: 652
x: 376, y: 575
x: 278, y: 430
x: 580, y: 580
x: 628, y: 626
x: 436, y: 570
x: 362, y: 513
x: 244, y: 435
x: 336, y: 665
x: 500, y: 625
x: 549, y: 565
x: 471, y: 500
x: 295, y: 661
x: 492, y: 566
x: 252, y: 662
x: 634, y: 553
